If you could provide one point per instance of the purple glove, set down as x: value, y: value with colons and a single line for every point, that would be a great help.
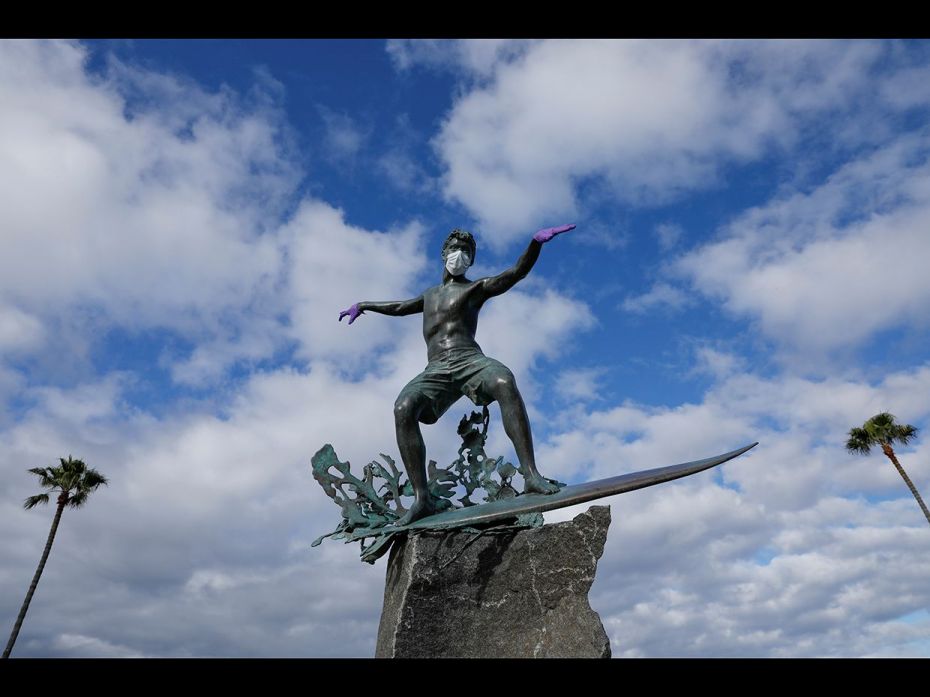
x: 353, y: 313
x: 548, y: 233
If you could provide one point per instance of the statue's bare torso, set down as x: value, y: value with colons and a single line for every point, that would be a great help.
x: 450, y: 315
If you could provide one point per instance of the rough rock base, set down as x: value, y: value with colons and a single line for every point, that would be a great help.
x: 516, y: 593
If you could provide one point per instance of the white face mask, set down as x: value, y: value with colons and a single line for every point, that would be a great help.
x: 457, y: 262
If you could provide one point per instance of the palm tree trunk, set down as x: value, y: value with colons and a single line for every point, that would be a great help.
x: 62, y: 500
x: 907, y: 480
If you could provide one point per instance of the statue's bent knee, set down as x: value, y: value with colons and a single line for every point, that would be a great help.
x: 504, y: 382
x: 404, y: 409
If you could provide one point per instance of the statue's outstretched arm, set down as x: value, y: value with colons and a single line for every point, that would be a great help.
x: 395, y: 308
x: 495, y: 285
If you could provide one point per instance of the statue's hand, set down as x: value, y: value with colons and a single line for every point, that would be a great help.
x: 352, y: 313
x: 548, y: 233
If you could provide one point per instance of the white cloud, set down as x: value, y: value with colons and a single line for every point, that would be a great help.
x: 11, y: 384
x: 19, y: 331
x: 80, y: 646
x: 401, y: 171
x: 197, y: 504
x: 478, y: 56
x: 830, y: 268
x: 344, y: 137
x: 779, y: 553
x: 332, y: 265
x: 531, y: 322
x: 400, y: 162
x: 841, y: 598
x: 579, y: 383
x: 661, y: 295
x: 668, y: 235
x: 595, y: 233
x: 134, y: 198
x: 210, y: 360
x: 650, y: 119
x: 907, y: 89
x: 719, y: 364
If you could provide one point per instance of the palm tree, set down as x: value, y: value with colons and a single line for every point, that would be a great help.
x: 882, y: 430
x: 74, y: 481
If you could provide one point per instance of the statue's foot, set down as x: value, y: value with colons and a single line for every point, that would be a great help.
x: 537, y: 484
x: 419, y: 509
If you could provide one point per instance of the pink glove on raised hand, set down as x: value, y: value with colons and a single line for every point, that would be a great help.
x: 548, y: 233
x: 352, y: 313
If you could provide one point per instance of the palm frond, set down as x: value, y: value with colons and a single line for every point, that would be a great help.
x: 34, y: 501
x: 78, y: 500
x: 92, y: 479
x: 77, y: 466
x: 72, y: 471
x: 905, y: 433
x: 46, y: 476
x: 860, y: 441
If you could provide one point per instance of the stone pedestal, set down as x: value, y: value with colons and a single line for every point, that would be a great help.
x: 515, y: 593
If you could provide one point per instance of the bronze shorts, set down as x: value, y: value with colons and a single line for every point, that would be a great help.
x: 456, y: 372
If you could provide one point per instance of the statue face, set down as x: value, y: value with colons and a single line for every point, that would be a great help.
x: 457, y: 258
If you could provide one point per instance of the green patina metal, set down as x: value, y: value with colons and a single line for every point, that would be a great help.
x: 370, y: 506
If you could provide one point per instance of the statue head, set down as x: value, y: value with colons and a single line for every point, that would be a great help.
x: 458, y: 251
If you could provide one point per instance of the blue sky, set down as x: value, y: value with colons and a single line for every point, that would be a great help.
x: 184, y: 220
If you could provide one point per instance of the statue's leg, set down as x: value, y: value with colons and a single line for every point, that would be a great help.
x: 410, y: 440
x: 408, y: 410
x: 503, y: 387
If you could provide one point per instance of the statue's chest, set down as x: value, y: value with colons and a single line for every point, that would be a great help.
x: 448, y: 301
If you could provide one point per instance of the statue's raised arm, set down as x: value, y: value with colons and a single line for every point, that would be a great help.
x: 495, y: 285
x: 395, y: 308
